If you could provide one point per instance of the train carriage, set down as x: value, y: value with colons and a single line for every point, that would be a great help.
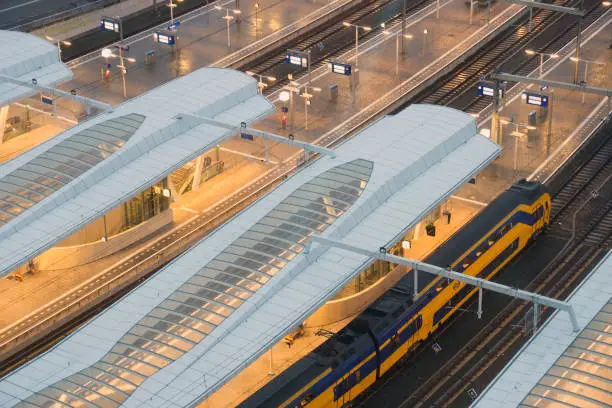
x: 350, y: 361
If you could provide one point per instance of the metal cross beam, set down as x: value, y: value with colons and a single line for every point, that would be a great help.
x: 556, y: 84
x: 445, y: 273
x: 551, y: 7
x: 82, y: 99
x: 242, y: 127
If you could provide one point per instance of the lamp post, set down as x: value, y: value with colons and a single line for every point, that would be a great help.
x: 472, y: 3
x: 228, y: 17
x: 261, y: 84
x: 256, y: 19
x: 59, y: 44
x: 172, y: 5
x: 517, y: 135
x: 307, y: 97
x: 586, y: 68
x: 107, y: 53
x: 542, y: 55
x: 397, y: 45
x: 425, y: 32
x: 357, y: 27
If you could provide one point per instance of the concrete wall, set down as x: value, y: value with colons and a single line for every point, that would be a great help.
x: 63, y: 257
x: 339, y: 309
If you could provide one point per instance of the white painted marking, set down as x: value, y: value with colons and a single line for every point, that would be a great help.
x: 19, y: 5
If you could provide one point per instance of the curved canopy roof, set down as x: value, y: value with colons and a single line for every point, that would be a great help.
x: 561, y: 368
x: 58, y: 187
x: 223, y: 303
x: 25, y: 56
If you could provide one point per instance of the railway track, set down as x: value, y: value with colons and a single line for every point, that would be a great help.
x: 333, y: 41
x: 549, y: 33
x: 588, y: 220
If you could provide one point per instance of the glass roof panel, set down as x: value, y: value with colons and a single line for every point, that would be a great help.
x: 582, y: 375
x: 191, y: 312
x: 64, y: 162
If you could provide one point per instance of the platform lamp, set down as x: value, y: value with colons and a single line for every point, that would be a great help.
x: 397, y: 44
x: 228, y: 18
x: 261, y: 84
x: 59, y: 44
x: 542, y: 55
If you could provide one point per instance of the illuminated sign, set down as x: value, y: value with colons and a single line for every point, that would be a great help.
x: 46, y: 99
x: 163, y: 38
x: 109, y: 24
x: 340, y: 68
x: 535, y: 99
x: 296, y: 59
x: 485, y: 89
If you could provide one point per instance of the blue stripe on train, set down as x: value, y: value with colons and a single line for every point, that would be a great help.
x: 520, y: 217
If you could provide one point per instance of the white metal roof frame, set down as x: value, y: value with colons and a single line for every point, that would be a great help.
x: 441, y: 151
x: 513, y: 385
x: 163, y: 143
x: 24, y: 57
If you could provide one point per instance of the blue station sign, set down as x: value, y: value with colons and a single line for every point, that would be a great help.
x: 486, y: 89
x: 340, y: 68
x: 164, y: 38
x: 46, y: 99
x: 172, y: 27
x: 296, y: 59
x: 247, y: 136
x: 109, y: 24
x: 531, y: 98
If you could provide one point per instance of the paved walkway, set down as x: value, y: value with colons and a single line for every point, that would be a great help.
x: 20, y: 299
x: 570, y: 125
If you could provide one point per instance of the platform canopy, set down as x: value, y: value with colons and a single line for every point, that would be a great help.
x: 25, y: 57
x: 559, y: 367
x: 60, y: 186
x: 222, y: 304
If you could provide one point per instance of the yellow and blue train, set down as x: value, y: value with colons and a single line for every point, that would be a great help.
x: 350, y: 361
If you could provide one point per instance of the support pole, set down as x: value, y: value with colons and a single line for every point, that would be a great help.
x: 495, y: 131
x: 3, y: 116
x: 267, y: 150
x: 403, y: 26
x: 551, y: 102
x: 536, y: 316
x: 105, y: 229
x: 271, y: 366
x: 578, y: 40
x: 480, y: 302
x: 415, y: 271
x: 438, y: 9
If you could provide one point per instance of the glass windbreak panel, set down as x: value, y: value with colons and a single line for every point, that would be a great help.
x: 64, y: 162
x: 213, y: 292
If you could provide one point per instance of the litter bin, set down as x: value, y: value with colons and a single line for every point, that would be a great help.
x: 333, y: 93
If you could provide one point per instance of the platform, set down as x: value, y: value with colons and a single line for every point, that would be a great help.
x: 58, y: 187
x: 559, y: 367
x: 220, y: 300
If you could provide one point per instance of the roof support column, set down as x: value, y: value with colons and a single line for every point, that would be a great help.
x: 381, y: 254
x: 3, y: 115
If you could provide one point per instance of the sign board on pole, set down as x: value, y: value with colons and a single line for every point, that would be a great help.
x: 163, y: 38
x: 531, y: 98
x: 296, y: 59
x: 109, y: 24
x: 340, y: 68
x: 486, y: 89
x: 46, y: 99
x: 174, y: 26
x: 247, y: 136
x: 122, y: 47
